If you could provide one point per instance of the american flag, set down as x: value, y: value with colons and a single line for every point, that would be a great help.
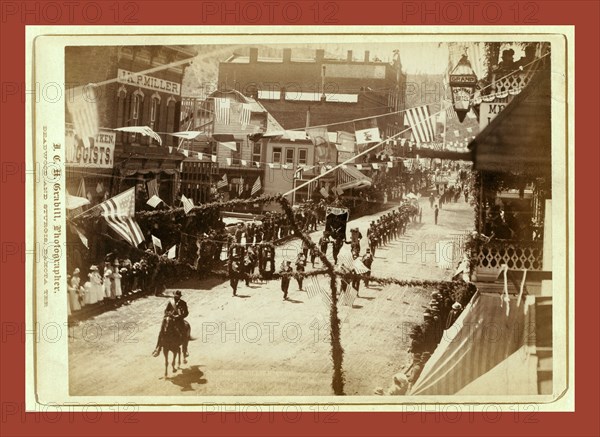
x: 187, y: 204
x: 314, y: 290
x: 421, y: 124
x: 256, y: 187
x: 348, y: 296
x: 222, y: 107
x: 84, y: 113
x: 241, y: 187
x: 118, y: 212
x: 223, y: 182
x: 245, y: 114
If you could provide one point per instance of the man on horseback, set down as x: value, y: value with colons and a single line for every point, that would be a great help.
x: 177, y: 310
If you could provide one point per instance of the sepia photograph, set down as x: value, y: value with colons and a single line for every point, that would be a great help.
x: 364, y: 217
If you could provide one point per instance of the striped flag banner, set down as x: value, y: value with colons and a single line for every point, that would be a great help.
x: 223, y: 182
x: 152, y: 186
x: 241, y: 187
x: 118, y: 212
x: 421, y: 124
x: 256, y: 187
x: 245, y: 114
x: 187, y: 204
x: 222, y: 107
x: 84, y: 113
x: 154, y: 201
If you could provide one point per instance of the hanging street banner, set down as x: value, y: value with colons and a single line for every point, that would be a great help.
x: 148, y: 82
x: 100, y: 154
x: 489, y: 111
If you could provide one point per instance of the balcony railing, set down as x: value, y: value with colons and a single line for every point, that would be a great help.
x: 517, y: 255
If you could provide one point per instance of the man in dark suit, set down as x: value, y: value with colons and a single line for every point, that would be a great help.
x: 177, y: 309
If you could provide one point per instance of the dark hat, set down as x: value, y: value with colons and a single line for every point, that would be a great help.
x: 177, y: 293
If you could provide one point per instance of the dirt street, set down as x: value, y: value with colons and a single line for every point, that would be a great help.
x: 259, y: 344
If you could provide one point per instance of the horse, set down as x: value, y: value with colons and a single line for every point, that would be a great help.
x: 173, y: 341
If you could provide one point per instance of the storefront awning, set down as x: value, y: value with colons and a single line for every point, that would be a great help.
x: 349, y: 177
x: 519, y: 138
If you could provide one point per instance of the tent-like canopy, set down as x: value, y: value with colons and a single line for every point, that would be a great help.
x: 518, y: 140
x: 482, y: 338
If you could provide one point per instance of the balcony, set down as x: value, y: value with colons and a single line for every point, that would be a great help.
x: 517, y: 255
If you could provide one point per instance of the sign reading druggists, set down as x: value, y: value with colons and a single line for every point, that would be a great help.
x: 99, y: 155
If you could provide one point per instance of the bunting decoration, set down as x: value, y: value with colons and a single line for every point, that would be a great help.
x: 154, y: 201
x: 143, y: 130
x: 187, y: 204
x: 171, y: 253
x: 231, y: 145
x: 156, y: 242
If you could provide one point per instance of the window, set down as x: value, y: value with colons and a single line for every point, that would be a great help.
x: 276, y: 155
x: 289, y: 156
x: 257, y: 152
x: 154, y: 108
x: 136, y: 106
x: 303, y: 156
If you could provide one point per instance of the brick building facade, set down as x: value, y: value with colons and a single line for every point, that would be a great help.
x: 152, y: 100
x: 317, y: 91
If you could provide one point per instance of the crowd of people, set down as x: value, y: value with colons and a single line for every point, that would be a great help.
x: 113, y: 282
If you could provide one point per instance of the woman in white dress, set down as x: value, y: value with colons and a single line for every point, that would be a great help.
x: 90, y: 297
x: 96, y: 281
x: 117, y: 279
x: 108, y: 274
x: 74, y: 289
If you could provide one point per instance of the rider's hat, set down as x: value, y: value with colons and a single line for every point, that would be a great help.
x: 178, y: 293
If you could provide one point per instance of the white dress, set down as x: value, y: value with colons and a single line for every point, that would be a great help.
x: 73, y: 296
x: 108, y: 284
x: 96, y: 280
x: 117, y: 283
x: 90, y: 293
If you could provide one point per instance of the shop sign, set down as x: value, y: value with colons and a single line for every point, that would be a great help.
x: 148, y: 82
x: 100, y: 154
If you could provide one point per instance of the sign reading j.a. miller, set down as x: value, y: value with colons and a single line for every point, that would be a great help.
x: 149, y: 82
x: 99, y: 155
